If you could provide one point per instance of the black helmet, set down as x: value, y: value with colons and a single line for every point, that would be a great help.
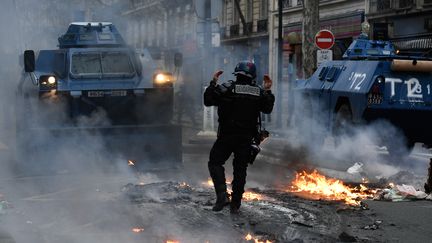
x: 246, y: 68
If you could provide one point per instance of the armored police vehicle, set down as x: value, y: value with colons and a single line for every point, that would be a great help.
x: 373, y: 83
x: 96, y: 86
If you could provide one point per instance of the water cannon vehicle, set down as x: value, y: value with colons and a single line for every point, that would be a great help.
x: 371, y: 83
x: 96, y: 85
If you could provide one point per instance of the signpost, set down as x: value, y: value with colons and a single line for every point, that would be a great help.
x: 324, y: 40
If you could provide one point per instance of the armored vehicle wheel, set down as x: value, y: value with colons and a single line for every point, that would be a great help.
x: 342, y: 123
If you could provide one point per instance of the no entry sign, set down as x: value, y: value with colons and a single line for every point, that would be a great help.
x: 324, y: 39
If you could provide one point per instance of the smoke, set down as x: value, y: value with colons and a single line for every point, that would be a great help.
x: 64, y: 183
x: 313, y: 142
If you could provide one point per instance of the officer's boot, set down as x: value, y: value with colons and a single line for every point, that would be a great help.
x: 235, y: 203
x: 221, y: 201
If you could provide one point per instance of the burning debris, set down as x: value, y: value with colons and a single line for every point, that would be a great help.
x: 188, y: 209
x: 316, y: 184
x: 250, y: 238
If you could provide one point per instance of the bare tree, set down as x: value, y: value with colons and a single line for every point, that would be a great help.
x: 310, y: 28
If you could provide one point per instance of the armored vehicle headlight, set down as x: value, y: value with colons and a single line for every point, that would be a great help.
x: 51, y: 80
x: 163, y: 80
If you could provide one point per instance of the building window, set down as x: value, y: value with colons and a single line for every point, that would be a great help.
x: 264, y: 9
x: 286, y: 4
x: 383, y: 5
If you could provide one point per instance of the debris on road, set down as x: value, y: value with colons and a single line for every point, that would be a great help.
x: 4, y: 204
x: 397, y: 193
x: 428, y: 184
x: 356, y: 168
x: 269, y: 215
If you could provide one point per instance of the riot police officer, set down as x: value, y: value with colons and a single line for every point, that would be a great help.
x: 239, y: 105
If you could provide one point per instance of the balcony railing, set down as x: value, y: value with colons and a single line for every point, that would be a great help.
x: 262, y: 25
x: 384, y: 6
x: 234, y: 30
x: 247, y: 29
x: 223, y: 32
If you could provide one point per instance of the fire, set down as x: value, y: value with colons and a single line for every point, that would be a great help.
x: 183, y: 185
x: 208, y: 183
x: 131, y: 163
x: 172, y: 241
x: 249, y: 237
x: 251, y: 196
x: 328, y: 188
x: 137, y: 230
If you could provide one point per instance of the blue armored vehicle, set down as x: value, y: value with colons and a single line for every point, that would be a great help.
x: 373, y: 83
x: 96, y: 88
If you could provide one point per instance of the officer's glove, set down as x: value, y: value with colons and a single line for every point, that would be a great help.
x: 216, y: 76
x: 267, y: 82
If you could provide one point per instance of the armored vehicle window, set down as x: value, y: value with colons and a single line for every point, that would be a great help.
x: 106, y: 64
x: 116, y: 63
x: 105, y: 36
x: 69, y: 37
x: 86, y: 64
x: 331, y: 75
x: 322, y: 73
x: 86, y: 37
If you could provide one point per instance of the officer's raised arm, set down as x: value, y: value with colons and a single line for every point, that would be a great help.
x: 212, y: 92
x: 267, y: 96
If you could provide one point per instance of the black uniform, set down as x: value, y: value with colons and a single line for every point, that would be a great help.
x: 239, y: 106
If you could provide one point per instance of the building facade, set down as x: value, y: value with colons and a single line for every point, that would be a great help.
x: 244, y: 34
x: 407, y: 23
x: 164, y: 27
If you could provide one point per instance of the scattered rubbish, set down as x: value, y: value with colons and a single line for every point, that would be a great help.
x: 428, y: 184
x: 356, y: 168
x: 402, y: 192
x: 364, y: 206
x: 4, y: 204
x: 345, y: 237
x: 371, y: 227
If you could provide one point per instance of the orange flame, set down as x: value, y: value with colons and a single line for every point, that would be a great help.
x: 137, y: 230
x: 249, y: 237
x: 183, y: 184
x: 208, y: 183
x: 328, y: 188
x: 131, y: 163
x: 252, y: 196
x: 172, y: 241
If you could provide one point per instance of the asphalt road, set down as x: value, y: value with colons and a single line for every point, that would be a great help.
x: 88, y: 206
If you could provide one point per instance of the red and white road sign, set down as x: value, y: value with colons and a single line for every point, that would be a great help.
x: 324, y: 39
